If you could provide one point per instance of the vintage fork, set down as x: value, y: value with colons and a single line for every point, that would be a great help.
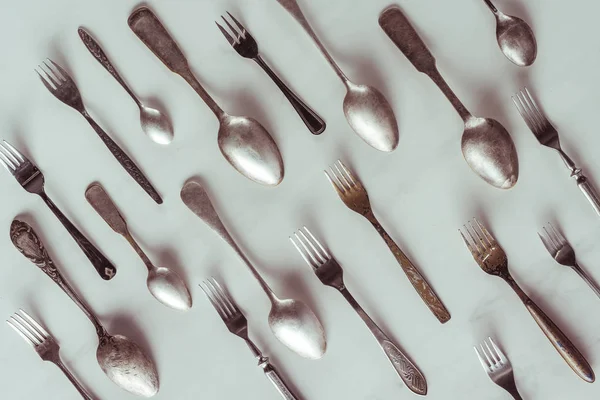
x: 547, y: 135
x: 492, y: 260
x: 63, y: 87
x: 32, y: 180
x: 330, y: 273
x: 563, y: 253
x: 354, y: 195
x: 498, y: 367
x: 238, y: 325
x: 245, y: 45
x: 43, y: 343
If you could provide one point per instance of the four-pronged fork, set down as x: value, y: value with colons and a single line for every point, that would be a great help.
x: 330, y: 273
x: 547, y: 135
x: 43, y: 343
x: 498, y: 367
x: 563, y: 253
x: 32, y: 180
x: 63, y: 87
x: 492, y: 260
x: 354, y: 195
x: 245, y: 45
x: 238, y: 325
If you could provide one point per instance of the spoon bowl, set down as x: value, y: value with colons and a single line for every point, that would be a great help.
x: 168, y: 288
x: 156, y: 125
x: 516, y: 39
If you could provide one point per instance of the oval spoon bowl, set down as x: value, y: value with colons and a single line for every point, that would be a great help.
x: 516, y: 40
x: 156, y: 125
x: 168, y: 288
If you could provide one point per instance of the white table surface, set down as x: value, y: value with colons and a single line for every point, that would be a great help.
x: 422, y: 192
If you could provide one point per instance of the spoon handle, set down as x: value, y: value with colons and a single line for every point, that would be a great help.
x: 491, y: 6
x: 26, y: 240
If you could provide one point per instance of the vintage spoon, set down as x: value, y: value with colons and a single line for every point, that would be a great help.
x: 123, y: 361
x: 244, y: 142
x: 515, y: 37
x: 292, y: 322
x: 156, y: 125
x: 486, y: 145
x: 367, y: 110
x: 164, y: 284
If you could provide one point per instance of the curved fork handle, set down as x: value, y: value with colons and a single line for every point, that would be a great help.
x: 84, y: 394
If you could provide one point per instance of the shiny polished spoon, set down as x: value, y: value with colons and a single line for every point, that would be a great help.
x: 122, y: 360
x: 156, y: 125
x: 515, y: 37
x: 244, y: 142
x: 367, y: 110
x: 292, y: 322
x: 164, y: 283
x: 486, y: 145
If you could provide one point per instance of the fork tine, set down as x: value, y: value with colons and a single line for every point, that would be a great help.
x: 210, y: 295
x: 336, y: 184
x: 14, y: 151
x: 233, y: 30
x: 476, y: 236
x: 35, y: 324
x: 226, y: 298
x: 487, y: 356
x: 238, y: 24
x: 17, y: 324
x: 45, y: 79
x: 524, y: 109
x: 230, y: 39
x: 63, y: 75
x: 319, y: 255
x: 30, y: 329
x: 227, y: 312
x: 342, y: 178
x: 348, y: 174
x: 484, y: 364
x: 304, y: 251
x: 492, y: 354
x: 6, y: 162
x: 557, y: 235
x: 485, y: 232
x: 543, y: 120
x: 50, y: 76
x: 499, y: 352
x: 9, y: 154
x: 12, y: 325
x: 323, y: 251
x: 547, y: 242
x: 555, y: 244
x: 468, y: 243
x: 531, y: 110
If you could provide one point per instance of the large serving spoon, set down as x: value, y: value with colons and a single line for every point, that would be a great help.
x: 515, y: 37
x: 368, y: 112
x: 292, y: 321
x: 244, y: 142
x: 122, y: 360
x: 486, y: 145
x: 164, y: 283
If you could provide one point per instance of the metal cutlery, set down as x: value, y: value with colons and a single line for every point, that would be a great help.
x: 486, y: 145
x: 330, y: 273
x: 355, y: 197
x: 44, y: 345
x: 366, y: 109
x: 291, y: 321
x: 31, y: 179
x: 245, y: 45
x: 163, y: 282
x: 237, y: 324
x: 493, y: 260
x: 498, y: 367
x: 547, y: 135
x: 122, y: 360
x: 63, y: 87
x: 243, y: 141
x: 155, y: 123
x: 563, y: 253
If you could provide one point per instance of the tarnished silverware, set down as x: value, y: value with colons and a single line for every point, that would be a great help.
x: 331, y: 274
x: 486, y: 145
x: 493, y: 260
x: 498, y: 367
x: 355, y: 197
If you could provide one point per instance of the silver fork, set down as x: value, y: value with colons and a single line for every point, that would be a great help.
x: 32, y: 180
x: 563, y: 253
x: 245, y: 45
x: 43, y: 343
x: 547, y: 135
x: 63, y: 87
x: 238, y: 325
x: 330, y: 273
x: 498, y: 367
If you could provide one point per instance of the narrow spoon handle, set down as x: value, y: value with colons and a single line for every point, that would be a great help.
x: 491, y: 6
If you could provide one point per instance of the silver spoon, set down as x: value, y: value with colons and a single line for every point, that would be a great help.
x: 164, y: 284
x: 292, y: 321
x: 367, y: 110
x: 122, y: 360
x: 486, y: 145
x: 515, y: 37
x: 244, y: 142
x: 156, y: 125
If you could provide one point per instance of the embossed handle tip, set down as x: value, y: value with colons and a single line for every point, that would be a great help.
x: 104, y: 206
x: 29, y: 244
x: 412, y: 377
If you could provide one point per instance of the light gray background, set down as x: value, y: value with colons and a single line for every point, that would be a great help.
x: 422, y: 193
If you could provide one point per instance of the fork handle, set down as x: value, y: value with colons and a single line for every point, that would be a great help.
x: 559, y: 340
x: 586, y: 278
x: 276, y: 379
x: 587, y: 189
x: 105, y: 268
x: 311, y: 119
x: 80, y: 389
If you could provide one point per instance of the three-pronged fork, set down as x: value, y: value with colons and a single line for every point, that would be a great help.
x: 547, y: 135
x: 238, y: 325
x: 354, y: 195
x: 43, y: 343
x: 563, y: 253
x: 498, y: 367
x: 492, y: 259
x: 63, y: 87
x: 330, y: 273
x: 245, y: 45
x: 32, y: 180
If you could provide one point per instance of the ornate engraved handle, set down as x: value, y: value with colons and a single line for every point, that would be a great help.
x: 276, y: 379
